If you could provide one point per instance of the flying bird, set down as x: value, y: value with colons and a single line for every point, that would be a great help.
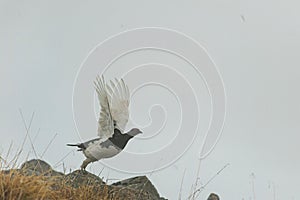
x: 114, y: 99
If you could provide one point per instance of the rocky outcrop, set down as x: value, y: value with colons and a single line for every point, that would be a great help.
x: 133, y: 188
x: 92, y: 186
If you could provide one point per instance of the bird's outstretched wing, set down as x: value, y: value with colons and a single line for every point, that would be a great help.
x: 118, y: 97
x: 105, y: 122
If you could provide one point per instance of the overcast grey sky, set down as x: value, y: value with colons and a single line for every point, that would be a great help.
x: 255, y: 45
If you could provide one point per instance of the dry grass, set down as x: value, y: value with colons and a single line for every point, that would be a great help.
x: 14, y: 185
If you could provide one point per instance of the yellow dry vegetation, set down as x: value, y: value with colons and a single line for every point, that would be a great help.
x: 14, y: 186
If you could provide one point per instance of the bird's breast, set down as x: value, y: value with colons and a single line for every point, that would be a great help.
x: 100, y: 151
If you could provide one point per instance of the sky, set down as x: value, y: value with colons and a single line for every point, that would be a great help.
x: 51, y: 51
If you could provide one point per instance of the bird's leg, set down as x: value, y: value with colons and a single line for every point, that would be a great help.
x: 85, y: 164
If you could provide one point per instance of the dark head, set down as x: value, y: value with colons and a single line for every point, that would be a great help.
x: 135, y: 131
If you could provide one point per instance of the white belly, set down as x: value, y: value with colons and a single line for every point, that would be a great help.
x: 97, y: 152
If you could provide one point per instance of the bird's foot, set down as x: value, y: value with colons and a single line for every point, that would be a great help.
x: 83, y: 171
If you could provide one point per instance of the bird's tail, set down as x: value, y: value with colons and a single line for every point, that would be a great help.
x: 79, y: 145
x: 73, y: 145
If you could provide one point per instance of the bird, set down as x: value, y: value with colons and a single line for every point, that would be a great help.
x: 114, y: 100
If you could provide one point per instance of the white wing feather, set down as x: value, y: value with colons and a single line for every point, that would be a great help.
x: 118, y: 97
x: 114, y: 102
x: 105, y: 122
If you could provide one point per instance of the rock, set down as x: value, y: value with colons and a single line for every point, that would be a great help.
x: 140, y: 184
x: 213, y: 196
x: 82, y: 178
x: 38, y: 167
x: 117, y: 192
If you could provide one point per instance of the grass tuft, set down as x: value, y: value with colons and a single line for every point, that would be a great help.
x: 14, y: 185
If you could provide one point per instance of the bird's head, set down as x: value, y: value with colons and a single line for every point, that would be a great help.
x: 134, y: 132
